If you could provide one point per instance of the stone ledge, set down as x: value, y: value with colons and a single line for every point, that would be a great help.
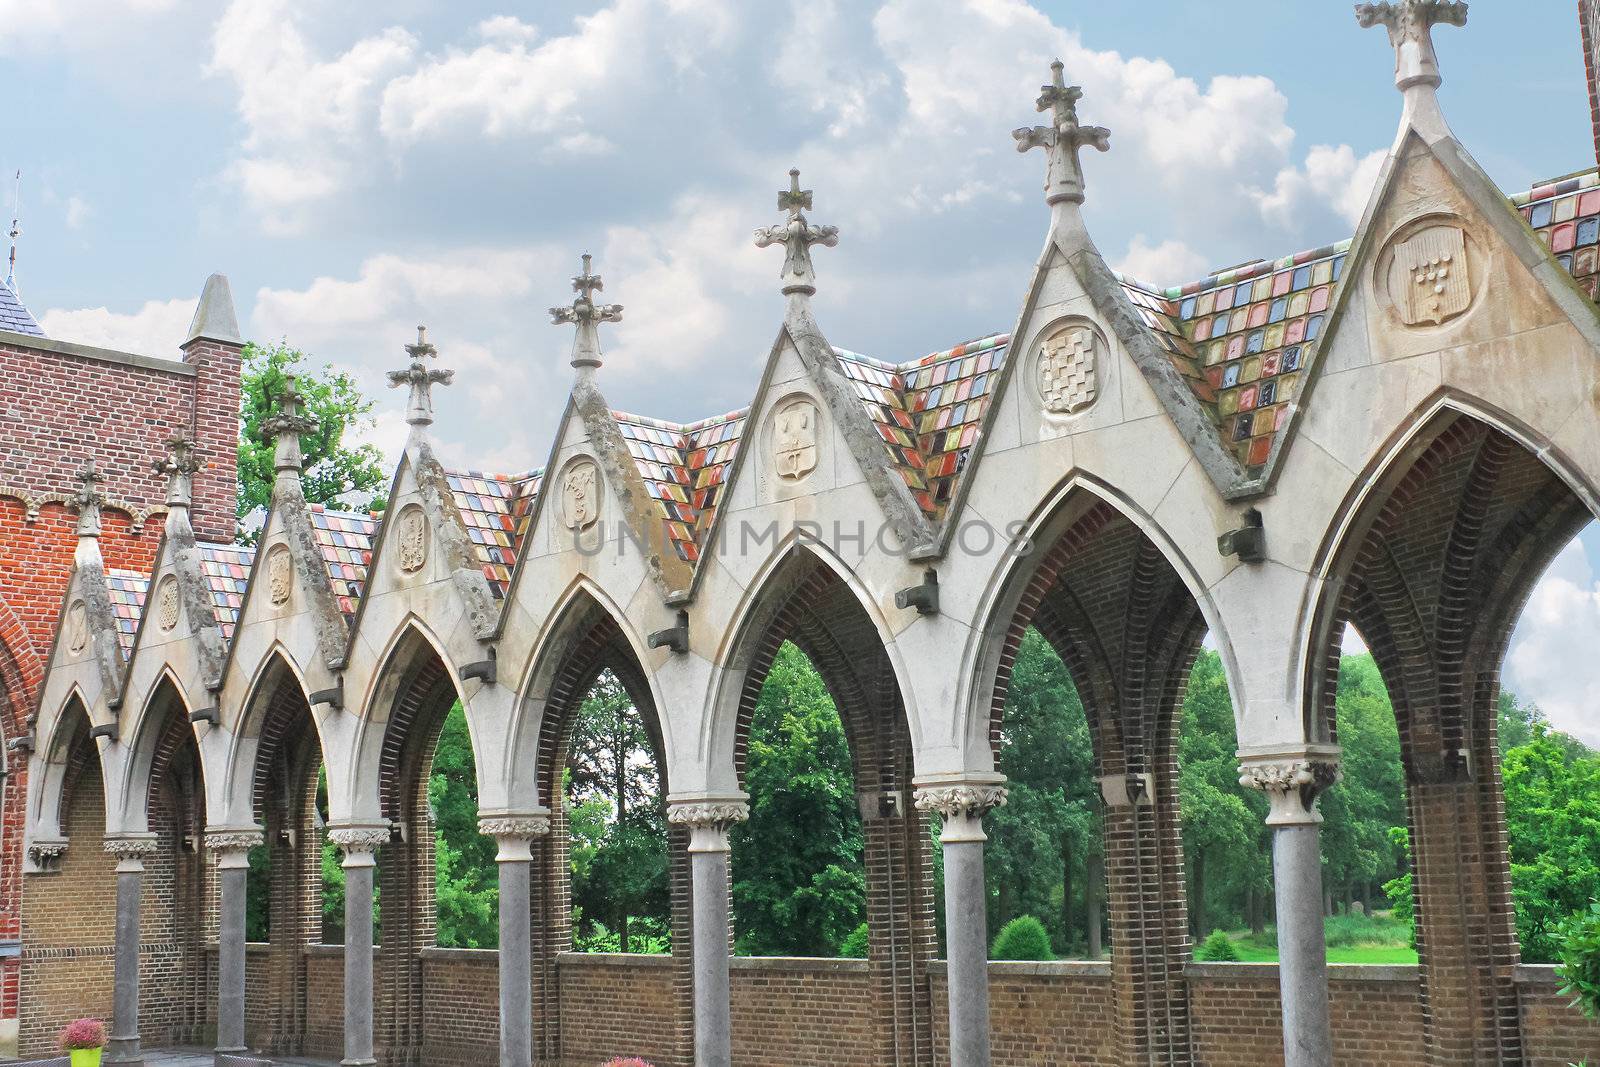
x: 813, y: 964
x: 611, y: 959
x: 481, y: 956
x: 10, y: 948
x: 1337, y: 972
x: 10, y: 339
x: 1537, y: 974
x: 1037, y: 968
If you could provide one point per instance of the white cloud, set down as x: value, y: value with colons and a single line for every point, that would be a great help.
x: 156, y: 329
x: 76, y: 212
x: 72, y: 23
x: 1332, y: 178
x: 1552, y: 651
x: 1168, y: 263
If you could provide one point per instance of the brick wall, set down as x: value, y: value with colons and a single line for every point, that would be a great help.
x: 1062, y: 1012
x: 1553, y: 1033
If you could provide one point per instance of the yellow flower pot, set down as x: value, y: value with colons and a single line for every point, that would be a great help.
x: 86, y: 1057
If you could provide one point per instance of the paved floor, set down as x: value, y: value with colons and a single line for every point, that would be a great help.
x: 203, y: 1058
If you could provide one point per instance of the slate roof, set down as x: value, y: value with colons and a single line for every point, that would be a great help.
x: 128, y: 592
x: 684, y: 467
x: 495, y: 509
x: 227, y: 571
x: 345, y: 539
x: 13, y: 315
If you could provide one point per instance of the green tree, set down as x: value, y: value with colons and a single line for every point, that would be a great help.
x: 466, y: 887
x: 1552, y: 805
x: 336, y: 471
x: 799, y: 885
x: 1358, y: 852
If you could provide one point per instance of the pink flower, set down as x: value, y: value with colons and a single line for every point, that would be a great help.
x: 84, y: 1033
x: 630, y: 1061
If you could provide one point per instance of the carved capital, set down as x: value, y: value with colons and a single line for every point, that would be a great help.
x: 358, y: 843
x: 234, y: 840
x: 131, y: 850
x: 47, y: 854
x: 962, y: 807
x: 708, y: 821
x: 1291, y: 785
x: 515, y: 834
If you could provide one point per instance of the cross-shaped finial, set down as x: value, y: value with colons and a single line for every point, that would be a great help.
x: 421, y: 378
x: 1062, y: 139
x: 797, y: 234
x: 586, y: 315
x: 88, y: 498
x: 178, y: 467
x: 1410, y: 24
x: 284, y: 428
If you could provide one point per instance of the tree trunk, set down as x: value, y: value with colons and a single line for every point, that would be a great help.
x: 1094, y: 881
x: 1066, y: 893
x: 1199, y: 909
x: 1258, y: 918
x: 1327, y: 902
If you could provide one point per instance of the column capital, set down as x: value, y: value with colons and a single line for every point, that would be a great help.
x: 47, y: 853
x: 232, y: 844
x: 962, y: 806
x: 1292, y: 781
x: 515, y: 833
x: 131, y: 850
x: 359, y: 841
x: 708, y: 820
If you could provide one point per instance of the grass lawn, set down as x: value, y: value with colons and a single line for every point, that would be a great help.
x: 1378, y: 939
x: 1250, y: 952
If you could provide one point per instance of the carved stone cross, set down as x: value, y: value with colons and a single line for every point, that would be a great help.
x: 1063, y: 139
x: 285, y: 427
x: 88, y: 498
x: 177, y: 467
x: 1410, y: 24
x: 586, y: 315
x: 421, y: 378
x: 797, y: 234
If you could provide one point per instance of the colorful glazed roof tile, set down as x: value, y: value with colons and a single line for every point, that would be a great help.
x: 1566, y: 215
x: 128, y: 591
x: 495, y: 509
x: 13, y: 315
x: 684, y: 467
x: 227, y: 571
x: 346, y: 542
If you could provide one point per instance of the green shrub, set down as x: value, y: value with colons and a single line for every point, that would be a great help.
x: 1580, y: 960
x: 1218, y: 948
x: 854, y: 946
x: 1023, y: 938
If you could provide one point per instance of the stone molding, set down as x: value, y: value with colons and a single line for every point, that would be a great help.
x: 708, y: 821
x: 222, y: 841
x: 1292, y: 786
x: 527, y: 826
x: 353, y: 840
x: 48, y: 854
x: 962, y: 808
x: 32, y: 503
x: 132, y: 847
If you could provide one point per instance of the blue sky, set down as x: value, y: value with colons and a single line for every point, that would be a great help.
x: 358, y: 168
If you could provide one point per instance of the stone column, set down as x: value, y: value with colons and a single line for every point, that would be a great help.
x: 966, y: 921
x: 1292, y: 785
x: 122, y: 1045
x: 232, y: 848
x: 708, y: 823
x: 515, y: 834
x: 359, y: 845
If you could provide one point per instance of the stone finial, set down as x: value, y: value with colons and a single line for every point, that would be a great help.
x: 587, y: 316
x: 1410, y: 24
x: 421, y: 378
x: 797, y: 234
x: 1062, y: 139
x: 88, y: 498
x: 287, y: 425
x: 214, y: 317
x: 178, y: 467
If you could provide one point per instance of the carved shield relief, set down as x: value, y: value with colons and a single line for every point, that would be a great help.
x: 580, y: 495
x: 794, y: 440
x: 167, y: 603
x: 280, y: 575
x: 77, y: 628
x: 1068, y: 368
x: 411, y: 539
x: 1428, y: 272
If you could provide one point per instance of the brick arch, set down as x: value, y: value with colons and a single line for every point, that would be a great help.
x: 1434, y: 573
x: 805, y: 601
x: 588, y: 640
x: 1110, y: 602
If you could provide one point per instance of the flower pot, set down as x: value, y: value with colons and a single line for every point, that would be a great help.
x: 86, y: 1057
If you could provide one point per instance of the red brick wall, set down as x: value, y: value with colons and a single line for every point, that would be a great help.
x: 59, y: 404
x: 1041, y: 1013
x: 1553, y: 1033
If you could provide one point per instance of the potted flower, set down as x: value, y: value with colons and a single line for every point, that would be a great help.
x: 85, y: 1041
x: 620, y: 1061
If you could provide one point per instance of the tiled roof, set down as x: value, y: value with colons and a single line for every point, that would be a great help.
x: 346, y: 542
x: 128, y: 592
x: 13, y: 316
x: 928, y: 411
x: 684, y: 467
x: 495, y: 509
x: 227, y: 571
x: 1566, y: 216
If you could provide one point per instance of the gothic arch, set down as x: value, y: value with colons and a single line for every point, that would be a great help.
x: 58, y: 763
x: 160, y: 729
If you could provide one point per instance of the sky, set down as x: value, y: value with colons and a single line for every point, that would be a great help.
x: 357, y: 169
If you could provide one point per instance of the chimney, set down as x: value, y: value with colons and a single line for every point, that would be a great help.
x: 213, y: 349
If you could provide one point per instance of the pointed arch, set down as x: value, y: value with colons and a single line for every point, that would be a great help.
x: 160, y: 730
x: 65, y: 754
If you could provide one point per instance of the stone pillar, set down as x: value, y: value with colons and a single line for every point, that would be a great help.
x: 515, y: 834
x: 1292, y: 785
x: 232, y: 848
x: 966, y: 921
x: 708, y: 823
x: 359, y: 845
x: 122, y: 1045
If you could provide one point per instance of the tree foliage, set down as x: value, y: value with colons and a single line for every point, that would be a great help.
x: 466, y: 885
x: 336, y: 471
x: 799, y: 886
